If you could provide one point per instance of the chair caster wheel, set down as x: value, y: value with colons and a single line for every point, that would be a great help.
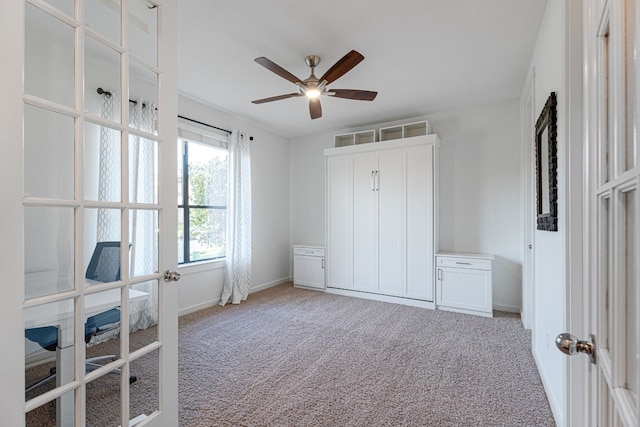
x: 133, y: 379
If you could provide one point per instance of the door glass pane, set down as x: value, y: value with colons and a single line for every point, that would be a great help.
x: 102, y: 70
x: 101, y: 245
x: 65, y: 6
x: 180, y: 235
x: 603, y: 110
x: 104, y: 400
x: 143, y: 314
x: 143, y: 31
x: 143, y: 167
x: 102, y: 327
x: 632, y: 342
x: 48, y: 154
x: 144, y: 393
x: 45, y: 415
x: 143, y: 90
x: 604, y: 251
x: 49, y: 57
x: 631, y: 139
x: 49, y: 250
x: 103, y: 17
x: 48, y: 346
x: 143, y: 236
x: 102, y: 163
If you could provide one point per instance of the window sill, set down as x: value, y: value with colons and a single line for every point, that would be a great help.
x: 197, y: 267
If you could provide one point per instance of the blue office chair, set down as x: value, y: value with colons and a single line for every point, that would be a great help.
x: 104, y: 266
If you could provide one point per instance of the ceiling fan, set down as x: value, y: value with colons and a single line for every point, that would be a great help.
x: 312, y: 87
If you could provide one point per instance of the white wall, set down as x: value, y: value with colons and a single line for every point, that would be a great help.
x: 479, y: 189
x: 201, y: 285
x: 550, y: 247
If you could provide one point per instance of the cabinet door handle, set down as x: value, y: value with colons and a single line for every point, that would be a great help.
x: 323, y: 263
x: 373, y: 181
x: 377, y: 181
x: 439, y: 274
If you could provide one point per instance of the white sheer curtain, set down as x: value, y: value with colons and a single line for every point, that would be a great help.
x: 143, y: 223
x: 142, y: 177
x: 238, y: 269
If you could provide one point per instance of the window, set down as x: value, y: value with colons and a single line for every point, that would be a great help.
x: 202, y: 201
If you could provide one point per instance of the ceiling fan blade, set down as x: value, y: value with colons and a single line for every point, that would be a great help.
x: 341, y: 67
x: 315, y: 109
x: 276, y: 98
x: 273, y: 67
x: 360, y: 95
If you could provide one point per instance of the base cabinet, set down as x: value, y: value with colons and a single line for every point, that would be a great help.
x: 464, y: 283
x: 308, y: 266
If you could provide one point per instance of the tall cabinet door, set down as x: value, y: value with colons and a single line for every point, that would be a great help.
x: 420, y: 196
x: 365, y: 220
x: 391, y: 222
x: 340, y: 221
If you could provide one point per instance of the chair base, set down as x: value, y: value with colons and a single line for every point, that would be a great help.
x: 90, y: 364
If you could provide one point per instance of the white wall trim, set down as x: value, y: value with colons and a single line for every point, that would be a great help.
x: 198, y: 307
x: 212, y: 302
x: 507, y: 308
x: 382, y: 298
x: 269, y: 284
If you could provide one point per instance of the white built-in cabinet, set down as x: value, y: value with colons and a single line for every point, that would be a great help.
x: 381, y: 215
x: 465, y: 283
x: 308, y: 266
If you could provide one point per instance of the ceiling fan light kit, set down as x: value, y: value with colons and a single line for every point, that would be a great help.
x: 313, y: 87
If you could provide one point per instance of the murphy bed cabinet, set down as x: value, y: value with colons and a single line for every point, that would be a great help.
x: 381, y: 216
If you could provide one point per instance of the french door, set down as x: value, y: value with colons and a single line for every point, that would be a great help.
x: 613, y: 116
x: 94, y: 165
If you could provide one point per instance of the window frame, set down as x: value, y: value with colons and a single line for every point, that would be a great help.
x: 190, y: 134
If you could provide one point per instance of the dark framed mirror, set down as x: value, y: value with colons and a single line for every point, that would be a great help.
x: 547, y: 166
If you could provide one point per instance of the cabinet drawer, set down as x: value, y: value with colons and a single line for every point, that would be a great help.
x: 309, y: 251
x: 455, y: 262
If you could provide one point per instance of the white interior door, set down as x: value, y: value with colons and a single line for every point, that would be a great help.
x: 98, y: 166
x: 611, y: 29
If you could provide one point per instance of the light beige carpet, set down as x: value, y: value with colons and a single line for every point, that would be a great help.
x: 291, y: 357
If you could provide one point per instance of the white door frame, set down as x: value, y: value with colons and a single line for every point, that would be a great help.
x: 12, y: 30
x: 527, y: 123
x: 575, y: 165
x: 11, y: 226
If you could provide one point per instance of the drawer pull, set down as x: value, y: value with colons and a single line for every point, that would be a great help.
x: 463, y: 263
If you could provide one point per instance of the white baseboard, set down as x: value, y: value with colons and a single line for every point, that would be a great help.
x: 211, y: 303
x: 555, y: 409
x: 269, y: 284
x: 507, y: 308
x: 198, y: 307
x: 383, y: 298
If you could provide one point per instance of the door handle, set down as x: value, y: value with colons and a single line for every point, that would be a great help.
x: 569, y: 344
x: 439, y: 274
x: 373, y: 181
x: 377, y: 182
x: 171, y: 276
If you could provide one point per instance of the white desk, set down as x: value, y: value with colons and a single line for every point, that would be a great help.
x: 61, y: 315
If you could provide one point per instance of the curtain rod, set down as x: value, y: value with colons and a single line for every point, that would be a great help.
x: 108, y: 95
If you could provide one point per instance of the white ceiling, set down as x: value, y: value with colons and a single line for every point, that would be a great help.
x: 421, y: 56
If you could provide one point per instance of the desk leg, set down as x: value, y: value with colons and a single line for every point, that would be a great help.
x: 65, y: 370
